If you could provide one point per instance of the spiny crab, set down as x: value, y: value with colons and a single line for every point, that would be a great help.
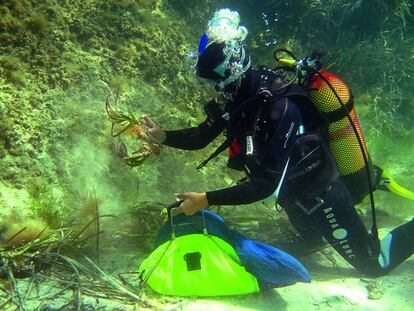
x: 127, y: 124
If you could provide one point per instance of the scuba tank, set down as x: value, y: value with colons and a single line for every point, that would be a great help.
x: 342, y: 140
x: 334, y: 101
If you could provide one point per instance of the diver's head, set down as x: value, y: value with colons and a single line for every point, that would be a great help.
x: 223, y: 63
x: 222, y: 58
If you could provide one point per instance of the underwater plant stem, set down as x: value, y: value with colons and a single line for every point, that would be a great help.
x: 14, y: 235
x: 89, y: 293
x: 83, y: 230
x: 49, y: 297
x: 29, y: 289
x: 86, y: 227
x: 125, y: 281
x: 116, y: 284
x: 9, y: 272
x: 5, y: 303
x: 78, y: 299
x: 40, y: 233
x: 71, y: 264
x: 98, y: 228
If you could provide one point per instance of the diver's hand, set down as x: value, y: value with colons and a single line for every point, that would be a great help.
x: 154, y: 130
x: 192, y: 202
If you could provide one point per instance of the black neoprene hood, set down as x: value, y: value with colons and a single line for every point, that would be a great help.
x: 209, y: 60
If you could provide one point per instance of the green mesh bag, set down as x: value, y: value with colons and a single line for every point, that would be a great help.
x: 197, y: 265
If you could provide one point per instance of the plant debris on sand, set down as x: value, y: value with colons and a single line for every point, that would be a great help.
x: 73, y: 281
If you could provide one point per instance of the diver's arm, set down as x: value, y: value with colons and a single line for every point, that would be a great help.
x: 265, y: 178
x: 254, y: 190
x: 195, y: 137
x: 199, y: 137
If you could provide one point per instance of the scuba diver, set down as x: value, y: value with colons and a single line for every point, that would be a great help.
x: 297, y: 139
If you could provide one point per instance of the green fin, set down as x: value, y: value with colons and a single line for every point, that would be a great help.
x: 391, y: 185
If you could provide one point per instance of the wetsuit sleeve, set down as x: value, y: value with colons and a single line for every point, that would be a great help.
x: 265, y: 174
x: 195, y: 137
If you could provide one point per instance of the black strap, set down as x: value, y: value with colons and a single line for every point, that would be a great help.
x: 341, y: 112
x: 228, y: 141
x: 219, y: 150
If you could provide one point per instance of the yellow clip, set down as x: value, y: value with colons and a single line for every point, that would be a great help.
x: 164, y: 212
x: 289, y: 62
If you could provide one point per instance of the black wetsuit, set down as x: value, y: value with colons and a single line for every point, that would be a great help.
x: 274, y: 143
x: 317, y: 202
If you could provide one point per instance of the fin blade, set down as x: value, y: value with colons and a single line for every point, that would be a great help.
x: 394, y: 187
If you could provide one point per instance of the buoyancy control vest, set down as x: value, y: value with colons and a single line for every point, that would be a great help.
x: 249, y: 116
x: 311, y: 167
x: 322, y: 113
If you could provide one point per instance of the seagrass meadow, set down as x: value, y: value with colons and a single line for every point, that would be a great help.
x: 76, y: 220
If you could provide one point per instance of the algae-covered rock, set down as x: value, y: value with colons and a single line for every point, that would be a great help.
x: 49, y: 47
